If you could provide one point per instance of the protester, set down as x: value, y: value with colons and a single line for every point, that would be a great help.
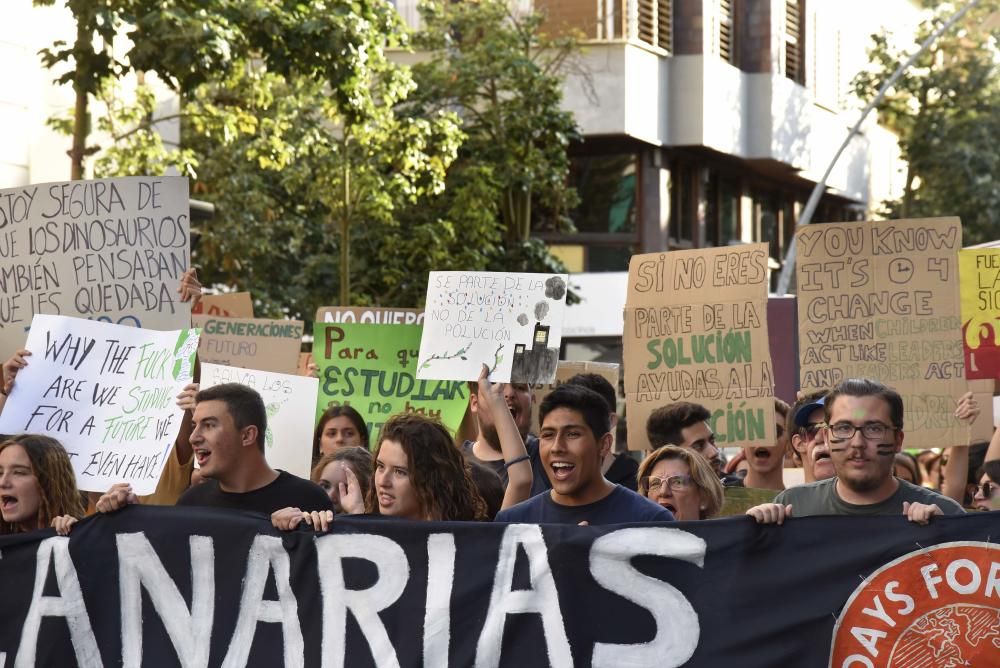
x: 987, y: 495
x: 333, y: 473
x: 37, y: 485
x: 686, y: 425
x: 617, y: 467
x: 419, y: 475
x: 487, y: 449
x: 228, y: 441
x: 864, y: 432
x: 805, y: 420
x: 339, y: 427
x: 573, y: 441
x: 682, y: 482
x: 766, y: 464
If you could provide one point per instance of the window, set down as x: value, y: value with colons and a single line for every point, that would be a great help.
x: 683, y: 206
x: 722, y: 210
x: 655, y: 23
x: 794, y: 51
x: 607, y: 188
x: 727, y: 31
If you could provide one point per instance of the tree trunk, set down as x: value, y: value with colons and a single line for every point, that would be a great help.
x: 81, y: 121
x: 345, y: 232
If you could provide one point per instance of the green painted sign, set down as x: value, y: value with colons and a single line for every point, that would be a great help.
x: 372, y: 368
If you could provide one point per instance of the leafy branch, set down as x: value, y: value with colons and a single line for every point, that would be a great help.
x: 460, y: 353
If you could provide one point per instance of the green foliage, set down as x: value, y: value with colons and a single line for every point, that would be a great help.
x: 503, y: 76
x: 946, y: 111
x: 330, y: 169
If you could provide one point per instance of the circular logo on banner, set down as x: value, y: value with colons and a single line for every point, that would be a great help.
x: 934, y: 608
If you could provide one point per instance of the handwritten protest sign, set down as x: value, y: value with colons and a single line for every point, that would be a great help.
x: 375, y: 315
x: 268, y: 345
x: 566, y: 370
x: 979, y: 269
x: 511, y: 322
x: 880, y: 300
x: 107, y: 393
x: 372, y: 369
x: 291, y: 405
x: 696, y: 330
x: 228, y: 305
x: 111, y: 250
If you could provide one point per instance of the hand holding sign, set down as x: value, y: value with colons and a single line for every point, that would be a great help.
x: 10, y: 369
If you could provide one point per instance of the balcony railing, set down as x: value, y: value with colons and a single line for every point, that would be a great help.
x: 646, y: 21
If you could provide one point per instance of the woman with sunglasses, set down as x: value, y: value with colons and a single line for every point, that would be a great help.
x: 987, y: 496
x: 681, y: 481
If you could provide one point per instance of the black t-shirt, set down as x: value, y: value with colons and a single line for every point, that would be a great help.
x: 539, y: 483
x: 621, y: 506
x: 285, y: 491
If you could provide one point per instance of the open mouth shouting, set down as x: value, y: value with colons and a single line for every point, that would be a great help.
x: 202, y: 456
x: 8, y: 504
x: 385, y: 500
x: 561, y: 470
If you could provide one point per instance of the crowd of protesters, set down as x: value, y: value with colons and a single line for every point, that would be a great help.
x: 848, y: 441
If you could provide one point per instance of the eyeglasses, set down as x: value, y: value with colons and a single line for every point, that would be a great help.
x: 811, y: 429
x: 987, y: 489
x: 873, y: 431
x: 675, y: 483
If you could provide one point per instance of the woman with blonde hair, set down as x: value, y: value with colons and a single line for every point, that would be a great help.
x: 681, y: 481
x: 37, y: 485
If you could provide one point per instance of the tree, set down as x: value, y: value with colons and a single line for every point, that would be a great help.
x: 503, y: 75
x: 300, y: 151
x: 946, y: 111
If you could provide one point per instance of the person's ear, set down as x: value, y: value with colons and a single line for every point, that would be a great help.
x: 604, y: 445
x: 249, y: 435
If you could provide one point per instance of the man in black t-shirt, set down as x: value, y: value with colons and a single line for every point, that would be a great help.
x: 228, y: 442
x: 574, y: 438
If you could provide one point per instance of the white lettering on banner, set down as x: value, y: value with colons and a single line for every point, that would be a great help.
x: 677, y: 628
x: 365, y: 604
x: 190, y: 630
x: 68, y: 604
x: 267, y: 554
x: 437, y: 610
x: 542, y: 599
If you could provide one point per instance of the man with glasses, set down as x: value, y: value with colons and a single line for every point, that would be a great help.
x: 863, y: 428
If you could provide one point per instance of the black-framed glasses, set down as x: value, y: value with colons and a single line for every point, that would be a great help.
x: 872, y: 431
x: 674, y: 483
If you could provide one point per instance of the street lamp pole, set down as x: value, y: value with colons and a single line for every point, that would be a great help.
x: 785, y: 278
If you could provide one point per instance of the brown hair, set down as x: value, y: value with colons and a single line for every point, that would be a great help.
x: 56, y: 480
x: 439, y: 473
x: 701, y: 473
x: 666, y: 422
x: 339, y: 411
x: 358, y: 458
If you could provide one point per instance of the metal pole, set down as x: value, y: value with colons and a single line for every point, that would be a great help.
x: 785, y: 279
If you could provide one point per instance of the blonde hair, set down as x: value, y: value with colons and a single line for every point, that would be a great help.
x: 702, y: 474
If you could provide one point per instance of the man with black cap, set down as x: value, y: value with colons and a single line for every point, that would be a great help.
x: 805, y: 421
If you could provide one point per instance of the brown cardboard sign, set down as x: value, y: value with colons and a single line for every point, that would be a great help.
x: 566, y: 370
x: 247, y: 343
x: 696, y: 330
x: 880, y: 300
x: 376, y: 315
x: 228, y: 305
x: 982, y: 428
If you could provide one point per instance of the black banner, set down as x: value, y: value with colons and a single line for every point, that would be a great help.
x: 199, y: 587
